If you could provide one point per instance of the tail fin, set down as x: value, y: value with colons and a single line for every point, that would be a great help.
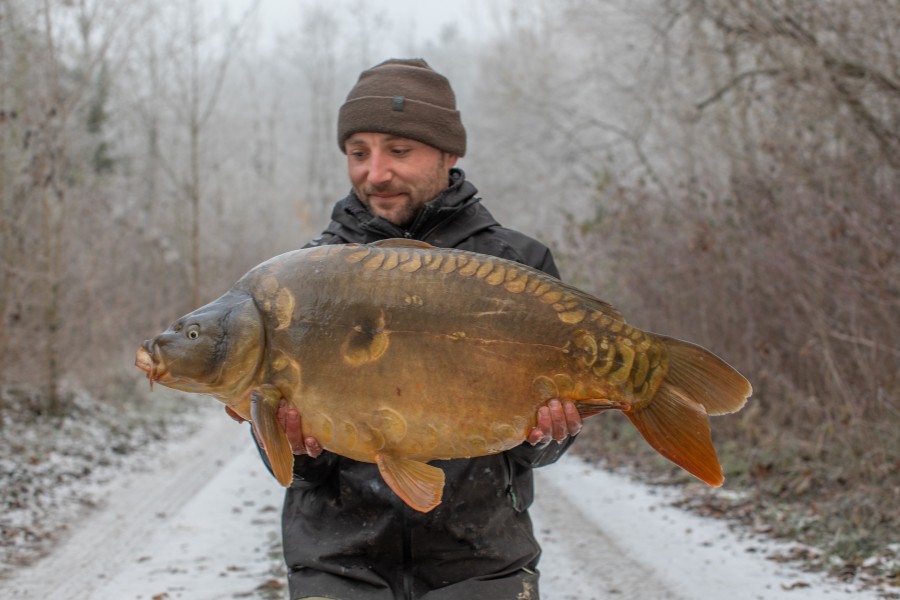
x: 675, y: 420
x: 706, y: 378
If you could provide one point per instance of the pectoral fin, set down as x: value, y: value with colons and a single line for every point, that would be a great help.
x: 418, y: 484
x: 263, y: 410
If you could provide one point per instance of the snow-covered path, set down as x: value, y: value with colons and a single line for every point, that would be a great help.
x: 203, y: 524
x: 606, y: 536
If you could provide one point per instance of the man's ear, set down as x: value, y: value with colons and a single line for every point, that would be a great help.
x: 450, y: 160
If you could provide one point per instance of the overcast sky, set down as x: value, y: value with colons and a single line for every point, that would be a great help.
x: 424, y: 19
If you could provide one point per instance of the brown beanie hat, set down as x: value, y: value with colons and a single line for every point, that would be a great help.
x: 407, y: 98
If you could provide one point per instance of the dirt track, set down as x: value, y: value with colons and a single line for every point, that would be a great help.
x: 203, y: 523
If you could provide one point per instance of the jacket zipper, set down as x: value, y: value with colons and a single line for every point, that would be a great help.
x: 450, y: 216
x: 511, y: 483
x: 407, y: 554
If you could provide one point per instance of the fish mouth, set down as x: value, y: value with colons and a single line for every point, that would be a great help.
x: 147, y: 359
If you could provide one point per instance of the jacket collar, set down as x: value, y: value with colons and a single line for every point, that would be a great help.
x: 452, y: 216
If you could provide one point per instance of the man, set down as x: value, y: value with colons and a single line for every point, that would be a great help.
x: 346, y: 534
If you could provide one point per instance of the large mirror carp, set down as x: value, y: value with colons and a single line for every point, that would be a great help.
x: 398, y: 353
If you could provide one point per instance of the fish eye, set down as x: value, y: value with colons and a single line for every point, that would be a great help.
x: 193, y: 333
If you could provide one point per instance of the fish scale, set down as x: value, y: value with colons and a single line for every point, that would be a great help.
x: 398, y: 353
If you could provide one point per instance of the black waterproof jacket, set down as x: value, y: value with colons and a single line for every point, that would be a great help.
x: 347, y: 535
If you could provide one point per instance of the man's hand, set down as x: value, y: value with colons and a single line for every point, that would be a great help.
x: 555, y: 421
x: 290, y: 421
x: 289, y: 418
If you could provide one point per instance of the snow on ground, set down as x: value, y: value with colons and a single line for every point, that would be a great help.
x: 203, y: 523
x: 202, y: 520
x: 607, y: 536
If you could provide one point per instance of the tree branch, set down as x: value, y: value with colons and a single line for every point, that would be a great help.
x: 733, y: 83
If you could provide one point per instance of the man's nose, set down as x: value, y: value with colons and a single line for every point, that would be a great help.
x: 379, y: 168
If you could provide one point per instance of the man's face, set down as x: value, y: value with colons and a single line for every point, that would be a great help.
x: 393, y: 176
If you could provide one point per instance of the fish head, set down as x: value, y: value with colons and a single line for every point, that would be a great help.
x: 217, y: 349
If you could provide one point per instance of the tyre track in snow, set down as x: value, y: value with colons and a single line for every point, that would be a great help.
x: 605, y: 536
x: 580, y: 560
x: 113, y: 535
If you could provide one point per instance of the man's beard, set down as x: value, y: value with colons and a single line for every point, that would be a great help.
x: 415, y: 198
x: 404, y: 213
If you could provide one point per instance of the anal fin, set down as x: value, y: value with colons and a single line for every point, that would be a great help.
x: 263, y: 410
x: 418, y: 484
x: 589, y: 408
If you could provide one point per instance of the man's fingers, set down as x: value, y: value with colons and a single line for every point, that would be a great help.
x: 293, y: 431
x: 555, y: 421
x: 541, y: 432
x: 560, y: 430
x: 281, y: 414
x: 289, y: 419
x: 573, y: 419
x: 312, y: 447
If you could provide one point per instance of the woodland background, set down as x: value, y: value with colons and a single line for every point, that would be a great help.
x: 721, y: 171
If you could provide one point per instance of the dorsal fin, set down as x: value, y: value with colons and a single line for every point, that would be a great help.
x: 401, y: 243
x: 592, y: 301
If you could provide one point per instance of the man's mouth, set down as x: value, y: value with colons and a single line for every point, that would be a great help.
x: 382, y: 197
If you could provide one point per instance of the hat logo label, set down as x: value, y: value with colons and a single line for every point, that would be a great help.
x: 397, y: 105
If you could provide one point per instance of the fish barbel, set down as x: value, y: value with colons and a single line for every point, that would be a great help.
x: 398, y: 353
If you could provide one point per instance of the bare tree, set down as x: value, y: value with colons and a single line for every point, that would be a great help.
x: 43, y: 175
x: 10, y: 132
x: 765, y: 225
x: 318, y: 63
x: 199, y: 57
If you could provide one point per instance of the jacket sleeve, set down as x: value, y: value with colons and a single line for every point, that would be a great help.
x: 512, y: 245
x: 541, y: 455
x: 328, y: 237
x: 548, y: 265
